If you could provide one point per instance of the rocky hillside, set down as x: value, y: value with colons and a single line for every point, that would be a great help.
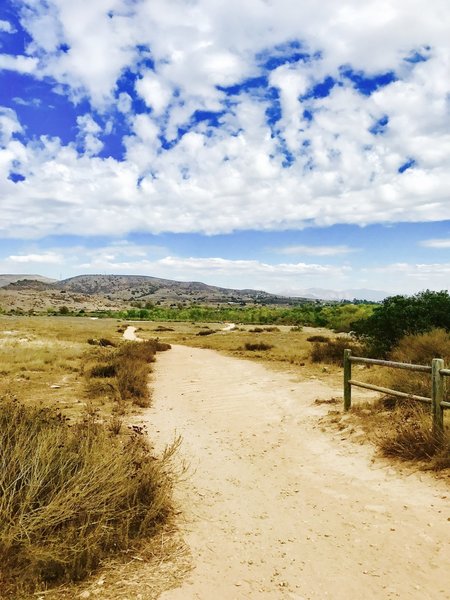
x: 152, y: 289
x: 115, y: 292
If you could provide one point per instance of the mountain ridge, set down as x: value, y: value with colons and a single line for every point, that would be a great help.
x: 115, y: 292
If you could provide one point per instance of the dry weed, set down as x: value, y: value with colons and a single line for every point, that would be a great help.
x: 72, y: 495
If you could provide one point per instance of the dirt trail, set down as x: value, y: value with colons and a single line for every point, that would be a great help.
x: 278, y: 509
x: 130, y: 334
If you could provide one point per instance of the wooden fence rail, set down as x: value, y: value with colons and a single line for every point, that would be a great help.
x: 437, y: 385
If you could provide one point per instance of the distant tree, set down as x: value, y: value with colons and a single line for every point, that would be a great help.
x: 398, y: 316
x: 64, y: 310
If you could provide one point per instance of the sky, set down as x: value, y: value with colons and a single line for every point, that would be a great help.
x: 269, y: 144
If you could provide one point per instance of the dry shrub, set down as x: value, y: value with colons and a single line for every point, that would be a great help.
x: 332, y: 351
x: 103, y: 370
x: 161, y: 328
x: 206, y: 332
x: 72, y: 495
x: 126, y: 370
x: 416, y: 349
x: 132, y: 376
x: 409, y: 434
x: 104, y: 342
x: 257, y: 346
x: 422, y: 348
x: 321, y: 339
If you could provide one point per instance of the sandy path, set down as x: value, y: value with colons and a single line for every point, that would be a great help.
x: 130, y: 334
x: 276, y: 508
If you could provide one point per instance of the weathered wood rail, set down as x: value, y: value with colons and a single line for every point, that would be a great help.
x: 437, y: 385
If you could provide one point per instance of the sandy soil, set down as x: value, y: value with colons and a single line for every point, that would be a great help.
x: 130, y: 334
x: 276, y: 508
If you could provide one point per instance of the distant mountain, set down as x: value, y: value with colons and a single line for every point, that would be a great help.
x: 352, y: 294
x: 8, y: 279
x: 141, y: 288
x: 115, y: 292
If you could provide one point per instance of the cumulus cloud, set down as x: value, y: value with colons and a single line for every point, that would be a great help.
x: 301, y: 143
x: 45, y: 258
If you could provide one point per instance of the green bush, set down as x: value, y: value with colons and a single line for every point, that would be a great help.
x: 398, y: 316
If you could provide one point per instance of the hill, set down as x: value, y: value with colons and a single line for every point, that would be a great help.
x: 9, y: 279
x: 115, y: 292
x: 153, y: 289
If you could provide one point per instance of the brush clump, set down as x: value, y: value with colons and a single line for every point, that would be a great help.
x: 72, y: 494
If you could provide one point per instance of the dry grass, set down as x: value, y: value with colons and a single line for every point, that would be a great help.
x: 46, y: 361
x: 258, y: 346
x: 42, y: 359
x: 332, y: 351
x: 402, y: 429
x: 72, y: 495
x: 410, y: 434
x: 123, y: 371
x: 289, y: 348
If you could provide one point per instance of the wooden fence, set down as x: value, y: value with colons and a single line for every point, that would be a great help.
x: 437, y: 385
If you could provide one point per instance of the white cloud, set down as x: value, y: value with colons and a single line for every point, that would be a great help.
x: 232, y: 177
x: 156, y: 94
x: 89, y: 131
x: 439, y: 243
x: 46, y: 258
x: 316, y: 250
x: 9, y: 125
x: 21, y: 64
x: 6, y: 27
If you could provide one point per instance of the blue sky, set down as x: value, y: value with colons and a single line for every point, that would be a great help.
x: 274, y: 145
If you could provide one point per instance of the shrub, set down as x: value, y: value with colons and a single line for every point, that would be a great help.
x: 417, y: 349
x: 103, y: 370
x: 409, y: 435
x: 71, y: 495
x: 317, y: 338
x: 422, y: 348
x: 128, y: 367
x: 206, y: 332
x: 257, y: 346
x: 103, y: 342
x: 332, y: 351
x: 398, y: 316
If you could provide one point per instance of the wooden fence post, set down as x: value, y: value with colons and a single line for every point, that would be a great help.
x: 437, y: 396
x: 347, y: 377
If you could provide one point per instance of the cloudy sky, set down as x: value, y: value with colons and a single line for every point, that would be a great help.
x: 274, y: 144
